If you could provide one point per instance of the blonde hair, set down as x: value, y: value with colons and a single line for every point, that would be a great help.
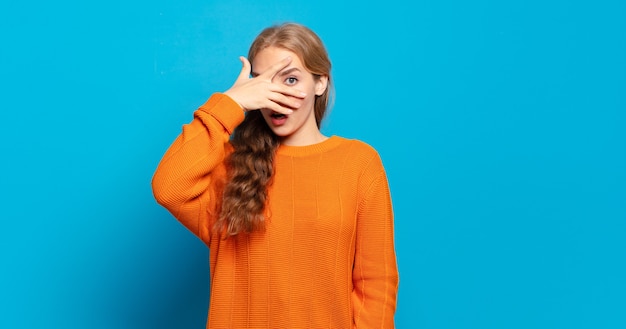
x: 250, y: 165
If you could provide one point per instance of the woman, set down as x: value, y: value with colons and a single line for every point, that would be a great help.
x: 299, y: 225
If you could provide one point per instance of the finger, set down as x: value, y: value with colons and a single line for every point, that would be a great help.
x: 280, y: 104
x: 245, y: 69
x: 285, y: 101
x: 274, y: 106
x: 277, y: 107
x: 277, y: 67
x: 288, y: 91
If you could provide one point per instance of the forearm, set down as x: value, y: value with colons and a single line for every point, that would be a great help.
x: 183, y: 177
x: 375, y: 274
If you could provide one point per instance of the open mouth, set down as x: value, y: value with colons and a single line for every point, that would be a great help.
x: 276, y: 115
x: 278, y: 119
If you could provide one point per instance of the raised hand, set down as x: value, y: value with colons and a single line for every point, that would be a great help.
x: 260, y: 92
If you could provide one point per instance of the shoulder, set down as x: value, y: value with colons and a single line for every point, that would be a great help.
x: 360, y: 152
x: 357, y: 146
x: 363, y: 162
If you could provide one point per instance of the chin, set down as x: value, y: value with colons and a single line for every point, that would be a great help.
x: 280, y: 132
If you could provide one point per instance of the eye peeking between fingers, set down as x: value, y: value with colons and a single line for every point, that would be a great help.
x: 291, y: 81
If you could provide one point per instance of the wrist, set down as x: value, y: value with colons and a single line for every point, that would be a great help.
x: 234, y: 99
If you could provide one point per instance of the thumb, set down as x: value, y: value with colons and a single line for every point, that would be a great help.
x: 245, y: 69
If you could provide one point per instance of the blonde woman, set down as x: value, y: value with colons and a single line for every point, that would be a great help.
x: 299, y: 224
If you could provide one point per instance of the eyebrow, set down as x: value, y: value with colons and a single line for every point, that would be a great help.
x: 282, y: 73
x: 288, y: 71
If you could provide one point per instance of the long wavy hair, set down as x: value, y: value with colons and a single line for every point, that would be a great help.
x: 250, y: 165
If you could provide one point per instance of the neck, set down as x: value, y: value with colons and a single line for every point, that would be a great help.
x: 304, y: 139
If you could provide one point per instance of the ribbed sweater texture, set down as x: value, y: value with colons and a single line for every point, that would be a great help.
x: 326, y: 258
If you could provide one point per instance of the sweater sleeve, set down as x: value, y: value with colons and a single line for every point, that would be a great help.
x: 375, y: 273
x: 183, y: 178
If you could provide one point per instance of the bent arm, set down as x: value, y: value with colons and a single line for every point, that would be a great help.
x: 375, y: 273
x: 183, y: 178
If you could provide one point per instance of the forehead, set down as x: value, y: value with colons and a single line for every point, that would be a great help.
x: 269, y: 56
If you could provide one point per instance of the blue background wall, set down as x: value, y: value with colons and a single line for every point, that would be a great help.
x: 502, y: 125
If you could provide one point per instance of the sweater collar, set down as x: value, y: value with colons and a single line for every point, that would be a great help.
x: 313, y: 149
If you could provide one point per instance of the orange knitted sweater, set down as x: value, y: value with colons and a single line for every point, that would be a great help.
x: 326, y: 258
